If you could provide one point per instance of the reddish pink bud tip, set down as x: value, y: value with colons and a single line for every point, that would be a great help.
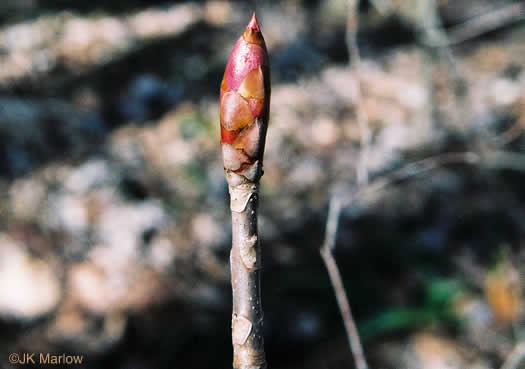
x: 245, y: 104
x: 254, y: 25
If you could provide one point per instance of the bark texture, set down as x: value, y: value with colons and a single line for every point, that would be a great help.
x: 247, y: 318
x: 244, y: 110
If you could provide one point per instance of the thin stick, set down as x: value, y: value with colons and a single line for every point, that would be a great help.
x: 408, y: 171
x: 335, y: 202
x: 352, y: 28
x: 364, y: 187
x: 433, y: 33
x: 491, y: 160
x: 337, y: 283
x: 485, y: 23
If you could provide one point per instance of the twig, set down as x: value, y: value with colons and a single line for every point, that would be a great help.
x: 485, y: 23
x: 335, y: 202
x: 337, y: 282
x: 433, y: 33
x: 243, y: 134
x: 408, y: 171
x: 497, y: 160
x: 352, y: 27
x: 491, y: 160
x: 332, y: 222
x: 516, y: 357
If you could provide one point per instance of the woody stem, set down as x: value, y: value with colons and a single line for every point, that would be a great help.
x: 245, y: 261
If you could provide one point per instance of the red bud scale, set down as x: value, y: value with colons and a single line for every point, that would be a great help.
x: 245, y: 104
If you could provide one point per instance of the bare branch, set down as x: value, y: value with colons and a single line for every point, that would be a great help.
x: 337, y: 283
x: 408, y: 171
x: 435, y: 36
x: 473, y: 28
x: 491, y: 160
x: 336, y: 205
x: 434, y: 33
x: 334, y: 210
x: 352, y: 27
x: 362, y: 179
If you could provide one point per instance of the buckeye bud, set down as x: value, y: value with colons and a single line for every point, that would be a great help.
x: 245, y: 104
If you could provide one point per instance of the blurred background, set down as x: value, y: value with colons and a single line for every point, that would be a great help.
x: 114, y: 220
